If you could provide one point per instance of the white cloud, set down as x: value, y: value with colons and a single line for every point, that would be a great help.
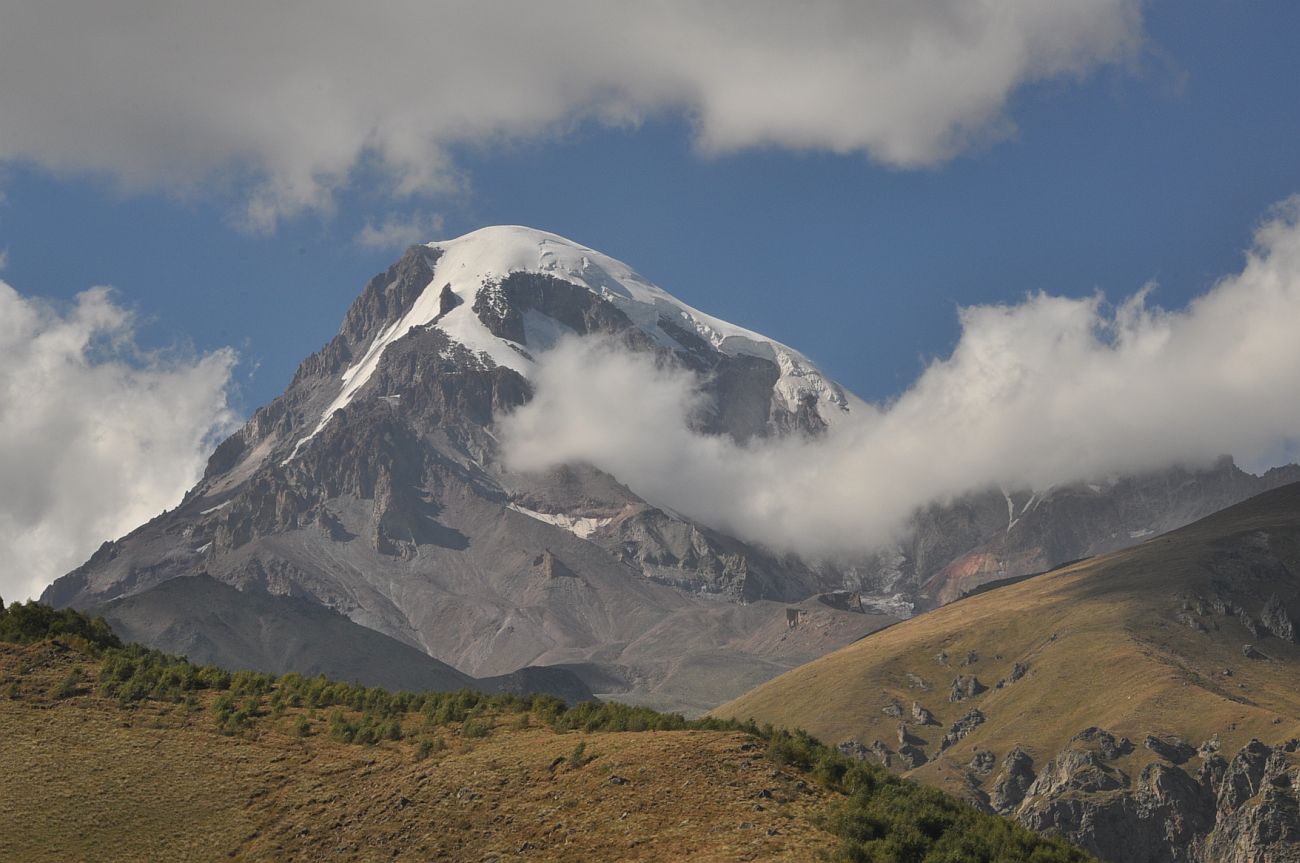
x: 96, y: 436
x: 1048, y: 391
x: 397, y: 232
x: 289, y: 98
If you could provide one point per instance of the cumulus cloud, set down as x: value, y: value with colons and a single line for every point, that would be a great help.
x: 1048, y: 391
x: 397, y: 232
x: 288, y: 99
x: 96, y: 435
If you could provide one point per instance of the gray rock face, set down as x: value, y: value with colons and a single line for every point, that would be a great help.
x: 1277, y: 620
x: 911, y: 756
x: 906, y: 737
x: 882, y: 753
x: 962, y: 727
x: 965, y: 687
x: 1106, y: 743
x: 1013, y: 782
x: 921, y: 716
x: 853, y: 749
x: 1251, y: 652
x: 877, y: 751
x: 1240, y: 811
x: 983, y: 762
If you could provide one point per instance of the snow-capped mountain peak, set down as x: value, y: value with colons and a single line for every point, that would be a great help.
x: 481, y: 260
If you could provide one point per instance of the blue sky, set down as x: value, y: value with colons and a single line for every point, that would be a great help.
x: 845, y: 176
x: 1156, y: 169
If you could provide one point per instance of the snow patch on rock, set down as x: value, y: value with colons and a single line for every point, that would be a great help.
x: 580, y: 526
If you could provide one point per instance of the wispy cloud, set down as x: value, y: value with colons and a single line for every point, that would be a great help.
x: 96, y: 435
x: 1047, y: 391
x: 280, y: 102
x: 397, y: 232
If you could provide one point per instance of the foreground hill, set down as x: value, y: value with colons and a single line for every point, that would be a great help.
x: 1145, y: 703
x: 115, y: 753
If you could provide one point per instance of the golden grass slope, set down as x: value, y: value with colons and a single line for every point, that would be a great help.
x: 1131, y: 642
x: 85, y: 779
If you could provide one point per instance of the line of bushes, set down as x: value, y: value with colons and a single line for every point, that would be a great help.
x: 24, y: 623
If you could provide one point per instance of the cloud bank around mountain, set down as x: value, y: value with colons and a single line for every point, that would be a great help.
x: 96, y: 435
x: 1048, y: 391
x: 280, y: 104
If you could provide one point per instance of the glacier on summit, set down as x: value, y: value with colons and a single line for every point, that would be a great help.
x: 468, y: 264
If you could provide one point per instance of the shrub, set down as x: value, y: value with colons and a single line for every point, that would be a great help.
x: 68, y: 686
x: 32, y: 621
x: 579, y: 757
x: 474, y: 728
x: 391, y: 730
x: 427, y: 746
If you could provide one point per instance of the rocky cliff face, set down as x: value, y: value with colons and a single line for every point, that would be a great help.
x: 997, y: 535
x: 1184, y: 806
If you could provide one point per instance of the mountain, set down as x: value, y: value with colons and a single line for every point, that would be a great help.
x: 373, y: 486
x: 1145, y: 703
x: 953, y: 548
x: 212, y: 623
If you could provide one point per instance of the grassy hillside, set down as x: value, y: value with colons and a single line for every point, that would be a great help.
x: 124, y: 753
x: 1169, y: 638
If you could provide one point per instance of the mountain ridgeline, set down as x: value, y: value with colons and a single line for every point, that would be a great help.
x: 373, y: 488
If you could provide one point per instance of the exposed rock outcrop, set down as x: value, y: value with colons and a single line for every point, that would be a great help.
x: 1276, y: 619
x: 983, y: 762
x: 962, y: 727
x: 1250, y: 651
x: 921, y: 716
x: 877, y: 751
x: 1013, y: 782
x: 911, y: 757
x: 965, y: 687
x: 1173, y: 749
x: 1243, y: 810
